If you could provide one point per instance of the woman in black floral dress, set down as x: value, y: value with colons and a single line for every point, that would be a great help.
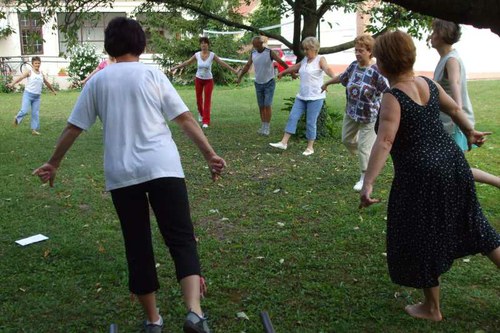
x: 433, y: 214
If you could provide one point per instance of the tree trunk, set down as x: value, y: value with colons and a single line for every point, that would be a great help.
x: 305, y: 9
x: 479, y: 13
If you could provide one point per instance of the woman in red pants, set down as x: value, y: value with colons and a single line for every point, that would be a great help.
x: 203, y: 82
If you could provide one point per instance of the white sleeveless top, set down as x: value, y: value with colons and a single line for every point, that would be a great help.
x: 204, y: 66
x: 35, y: 83
x: 311, y: 80
x: 263, y: 65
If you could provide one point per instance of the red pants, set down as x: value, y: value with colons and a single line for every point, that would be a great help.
x: 204, y: 104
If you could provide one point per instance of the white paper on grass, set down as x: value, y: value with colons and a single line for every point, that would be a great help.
x: 31, y: 240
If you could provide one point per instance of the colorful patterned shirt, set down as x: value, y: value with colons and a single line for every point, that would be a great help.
x: 364, y: 88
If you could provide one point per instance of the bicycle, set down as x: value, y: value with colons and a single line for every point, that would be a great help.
x: 25, y: 65
x: 7, y: 69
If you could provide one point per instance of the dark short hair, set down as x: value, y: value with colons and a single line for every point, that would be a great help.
x: 35, y: 58
x: 450, y: 32
x: 395, y: 51
x: 204, y: 39
x: 124, y: 35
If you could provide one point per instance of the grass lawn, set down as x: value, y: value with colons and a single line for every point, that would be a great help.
x: 279, y: 232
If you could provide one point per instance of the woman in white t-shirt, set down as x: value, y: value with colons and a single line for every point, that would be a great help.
x: 32, y: 93
x: 203, y: 82
x: 142, y: 166
x: 310, y: 97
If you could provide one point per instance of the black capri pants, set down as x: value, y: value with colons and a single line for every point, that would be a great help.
x: 169, y: 200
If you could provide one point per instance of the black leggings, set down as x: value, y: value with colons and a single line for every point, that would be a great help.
x: 169, y: 201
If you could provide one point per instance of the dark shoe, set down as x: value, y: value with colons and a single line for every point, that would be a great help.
x: 152, y: 328
x: 15, y: 123
x: 195, y: 324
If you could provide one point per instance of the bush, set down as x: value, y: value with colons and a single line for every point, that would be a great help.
x: 4, y: 80
x: 83, y: 60
x: 327, y: 123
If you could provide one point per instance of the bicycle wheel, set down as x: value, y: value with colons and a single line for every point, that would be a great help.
x: 5, y: 69
x: 25, y: 66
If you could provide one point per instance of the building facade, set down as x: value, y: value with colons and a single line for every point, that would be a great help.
x: 32, y: 37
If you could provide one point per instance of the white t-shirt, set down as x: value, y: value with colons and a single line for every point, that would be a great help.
x: 132, y: 100
x: 34, y: 83
x: 204, y: 66
x: 311, y: 80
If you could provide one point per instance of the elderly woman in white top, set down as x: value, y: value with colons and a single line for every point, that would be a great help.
x: 204, y: 80
x: 310, y: 97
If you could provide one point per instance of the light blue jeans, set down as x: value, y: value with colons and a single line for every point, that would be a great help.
x: 32, y: 101
x: 312, y: 109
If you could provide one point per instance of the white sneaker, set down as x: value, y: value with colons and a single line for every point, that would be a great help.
x: 200, y: 119
x: 204, y: 126
x: 278, y: 145
x: 358, y: 186
x: 308, y: 152
x: 265, y: 131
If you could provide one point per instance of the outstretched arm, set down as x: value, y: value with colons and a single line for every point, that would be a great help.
x: 326, y: 68
x: 189, y: 126
x: 97, y: 69
x: 453, y: 70
x: 334, y: 80
x: 19, y: 79
x: 184, y: 64
x: 47, y: 172
x: 245, y: 69
x: 275, y: 57
x: 289, y: 70
x: 390, y: 115
x: 224, y: 64
x: 452, y: 109
x: 47, y: 83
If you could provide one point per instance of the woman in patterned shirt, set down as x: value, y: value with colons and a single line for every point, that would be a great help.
x: 364, y: 87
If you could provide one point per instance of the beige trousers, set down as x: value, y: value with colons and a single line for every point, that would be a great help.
x: 358, y: 139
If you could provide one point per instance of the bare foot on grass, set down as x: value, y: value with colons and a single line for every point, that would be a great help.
x: 422, y: 311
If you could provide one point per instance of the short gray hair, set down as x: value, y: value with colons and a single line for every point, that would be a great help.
x: 311, y: 43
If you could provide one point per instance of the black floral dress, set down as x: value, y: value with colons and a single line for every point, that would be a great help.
x: 433, y: 213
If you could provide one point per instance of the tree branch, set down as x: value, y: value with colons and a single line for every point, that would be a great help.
x: 325, y: 6
x: 344, y: 46
x: 337, y: 48
x: 479, y: 13
x: 227, y: 22
x: 328, y: 4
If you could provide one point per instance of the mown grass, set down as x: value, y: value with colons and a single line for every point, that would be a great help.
x: 279, y: 232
